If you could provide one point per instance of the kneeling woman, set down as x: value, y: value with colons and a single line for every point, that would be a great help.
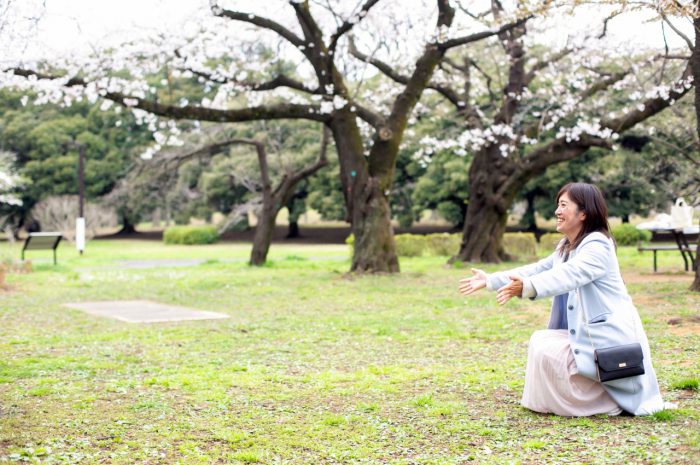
x: 591, y: 310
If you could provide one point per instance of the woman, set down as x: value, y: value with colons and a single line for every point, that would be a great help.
x: 584, y: 278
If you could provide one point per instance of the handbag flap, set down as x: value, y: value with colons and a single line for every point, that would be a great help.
x: 620, y: 357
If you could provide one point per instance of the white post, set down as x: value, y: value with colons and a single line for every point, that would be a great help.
x: 80, y: 234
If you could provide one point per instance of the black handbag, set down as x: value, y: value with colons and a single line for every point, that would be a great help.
x: 619, y: 362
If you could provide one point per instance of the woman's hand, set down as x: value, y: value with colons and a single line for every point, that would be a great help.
x: 513, y: 289
x: 470, y: 285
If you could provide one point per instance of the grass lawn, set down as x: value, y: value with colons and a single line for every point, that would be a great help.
x: 313, y: 365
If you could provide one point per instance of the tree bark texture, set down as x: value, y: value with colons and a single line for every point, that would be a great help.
x: 274, y: 200
x: 695, y: 67
x: 263, y: 234
x: 487, y: 213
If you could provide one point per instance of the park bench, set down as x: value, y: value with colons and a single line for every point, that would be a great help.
x: 664, y: 247
x: 42, y: 241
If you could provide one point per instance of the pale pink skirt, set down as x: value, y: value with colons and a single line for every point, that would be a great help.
x: 552, y: 382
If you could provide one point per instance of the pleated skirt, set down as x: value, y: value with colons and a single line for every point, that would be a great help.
x: 552, y: 382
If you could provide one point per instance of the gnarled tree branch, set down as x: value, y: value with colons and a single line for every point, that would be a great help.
x: 348, y: 25
x: 259, y: 21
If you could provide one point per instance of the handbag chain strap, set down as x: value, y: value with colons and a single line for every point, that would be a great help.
x: 588, y: 331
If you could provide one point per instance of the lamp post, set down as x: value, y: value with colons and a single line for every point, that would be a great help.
x: 80, y: 220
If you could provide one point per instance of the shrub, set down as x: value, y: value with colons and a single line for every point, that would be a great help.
x: 58, y: 213
x: 190, y: 235
x: 521, y: 245
x: 550, y: 241
x: 410, y: 245
x: 627, y: 234
x: 443, y: 245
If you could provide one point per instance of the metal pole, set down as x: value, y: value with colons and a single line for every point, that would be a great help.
x: 81, y: 179
x: 80, y: 222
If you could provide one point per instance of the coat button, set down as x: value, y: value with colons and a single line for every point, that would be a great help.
x: 571, y: 307
x: 572, y: 331
x: 576, y: 351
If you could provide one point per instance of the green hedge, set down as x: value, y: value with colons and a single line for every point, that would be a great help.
x: 410, y: 245
x: 626, y: 234
x: 190, y: 235
x: 550, y: 241
x: 416, y: 245
x: 443, y: 245
x: 520, y: 245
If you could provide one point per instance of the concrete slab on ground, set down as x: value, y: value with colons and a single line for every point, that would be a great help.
x: 143, y: 311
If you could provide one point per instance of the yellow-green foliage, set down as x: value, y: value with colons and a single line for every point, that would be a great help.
x: 549, y: 241
x: 410, y: 245
x: 443, y: 245
x: 627, y: 234
x: 190, y: 235
x: 522, y: 245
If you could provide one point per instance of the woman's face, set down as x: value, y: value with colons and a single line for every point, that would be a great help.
x: 569, y: 217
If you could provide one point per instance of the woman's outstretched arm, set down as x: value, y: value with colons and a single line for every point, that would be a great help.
x: 468, y: 286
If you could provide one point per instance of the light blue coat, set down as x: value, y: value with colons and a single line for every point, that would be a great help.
x: 592, y: 279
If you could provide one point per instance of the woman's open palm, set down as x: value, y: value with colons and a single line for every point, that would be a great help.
x: 468, y: 286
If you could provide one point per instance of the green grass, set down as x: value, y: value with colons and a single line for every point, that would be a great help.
x: 313, y: 365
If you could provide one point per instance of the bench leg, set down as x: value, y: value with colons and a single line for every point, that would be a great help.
x: 654, y: 260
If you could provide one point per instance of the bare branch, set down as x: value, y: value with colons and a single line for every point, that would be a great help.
x: 374, y: 119
x: 477, y: 16
x: 672, y: 57
x: 482, y: 35
x: 312, y: 32
x: 290, y: 181
x: 691, y: 46
x: 280, y: 80
x: 392, y: 74
x: 257, y: 21
x: 380, y: 65
x: 348, y: 25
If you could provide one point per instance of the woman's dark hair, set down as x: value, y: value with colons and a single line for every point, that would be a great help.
x: 589, y: 199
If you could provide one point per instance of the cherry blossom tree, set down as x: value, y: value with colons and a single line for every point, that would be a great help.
x: 325, y: 86
x: 9, y: 180
x: 549, y: 108
x: 10, y: 183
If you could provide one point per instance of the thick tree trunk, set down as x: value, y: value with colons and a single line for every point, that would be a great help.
x: 374, y: 250
x: 367, y: 204
x: 489, y: 201
x: 127, y: 227
x: 293, y: 231
x: 263, y: 235
x: 695, y: 67
x: 482, y: 239
x: 529, y: 220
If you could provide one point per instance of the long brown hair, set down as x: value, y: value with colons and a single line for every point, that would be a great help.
x: 590, y: 200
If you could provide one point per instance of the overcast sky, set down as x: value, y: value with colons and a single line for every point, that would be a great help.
x: 76, y: 24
